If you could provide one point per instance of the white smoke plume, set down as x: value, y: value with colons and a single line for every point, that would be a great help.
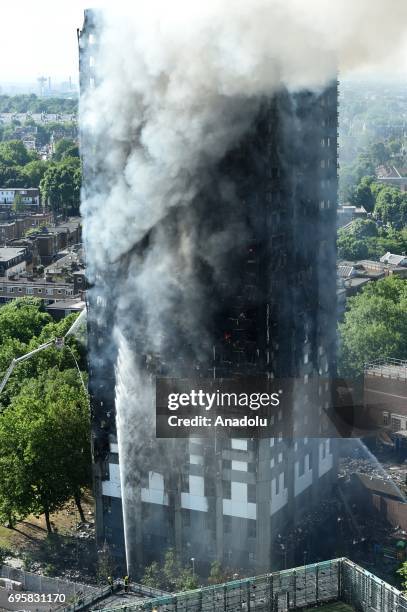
x: 173, y: 76
x: 177, y: 86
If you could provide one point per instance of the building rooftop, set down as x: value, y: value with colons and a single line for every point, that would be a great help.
x: 396, y: 260
x: 391, y: 172
x: 74, y: 304
x: 7, y: 253
x: 378, y: 485
x: 387, y: 368
x: 344, y: 271
x: 63, y: 262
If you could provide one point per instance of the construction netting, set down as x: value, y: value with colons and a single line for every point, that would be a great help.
x: 294, y: 589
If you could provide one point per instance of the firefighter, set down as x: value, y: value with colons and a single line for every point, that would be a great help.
x: 126, y: 584
x: 110, y: 582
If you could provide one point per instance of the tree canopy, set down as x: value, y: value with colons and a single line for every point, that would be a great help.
x: 61, y: 184
x: 44, y: 420
x: 364, y: 240
x: 24, y: 103
x: 375, y: 325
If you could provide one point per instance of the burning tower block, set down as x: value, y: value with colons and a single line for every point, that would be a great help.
x: 264, y: 305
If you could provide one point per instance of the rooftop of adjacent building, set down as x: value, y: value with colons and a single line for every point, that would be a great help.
x: 8, y: 253
x: 371, y: 269
x: 380, y: 486
x: 66, y: 260
x: 396, y: 260
x: 387, y: 368
x: 75, y: 304
x: 391, y: 173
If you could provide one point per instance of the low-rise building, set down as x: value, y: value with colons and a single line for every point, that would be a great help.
x: 15, y: 228
x: 62, y: 308
x: 392, y: 177
x: 394, y: 260
x: 65, y: 266
x: 57, y: 238
x: 29, y: 197
x: 40, y: 288
x: 13, y: 261
x: 348, y: 213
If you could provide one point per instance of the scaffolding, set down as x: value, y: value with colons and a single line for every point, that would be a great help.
x: 300, y: 588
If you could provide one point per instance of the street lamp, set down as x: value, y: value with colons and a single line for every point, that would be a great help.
x: 193, y: 565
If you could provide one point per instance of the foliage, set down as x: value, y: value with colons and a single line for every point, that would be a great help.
x: 106, y: 567
x: 60, y: 185
x: 14, y: 153
x: 65, y: 147
x: 152, y: 576
x: 45, y: 432
x: 375, y: 325
x: 402, y: 572
x: 362, y: 194
x: 171, y: 576
x: 31, y: 103
x: 217, y: 574
x: 391, y: 206
x: 44, y: 423
x: 18, y: 205
x: 34, y: 171
x: 22, y: 319
x: 358, y: 244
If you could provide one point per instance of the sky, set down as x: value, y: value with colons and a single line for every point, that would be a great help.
x: 38, y: 38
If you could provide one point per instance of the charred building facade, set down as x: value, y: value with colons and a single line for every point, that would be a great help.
x: 271, y: 313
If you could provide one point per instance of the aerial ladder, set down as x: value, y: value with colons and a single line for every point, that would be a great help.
x: 59, y: 343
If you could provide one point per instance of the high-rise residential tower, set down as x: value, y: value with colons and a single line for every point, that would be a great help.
x: 270, y: 313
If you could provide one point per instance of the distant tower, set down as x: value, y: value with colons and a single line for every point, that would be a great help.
x: 49, y: 83
x: 41, y: 82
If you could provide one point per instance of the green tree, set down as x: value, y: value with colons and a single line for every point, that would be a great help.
x: 18, y: 205
x: 186, y: 581
x: 350, y: 247
x: 171, y: 569
x: 216, y: 575
x: 65, y: 147
x: 379, y: 153
x: 22, y: 319
x: 47, y: 425
x: 34, y: 172
x: 391, y: 206
x: 362, y: 194
x: 24, y: 103
x: 106, y: 567
x: 375, y: 325
x: 60, y: 185
x: 363, y: 228
x: 14, y: 153
x: 402, y: 572
x: 152, y: 576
